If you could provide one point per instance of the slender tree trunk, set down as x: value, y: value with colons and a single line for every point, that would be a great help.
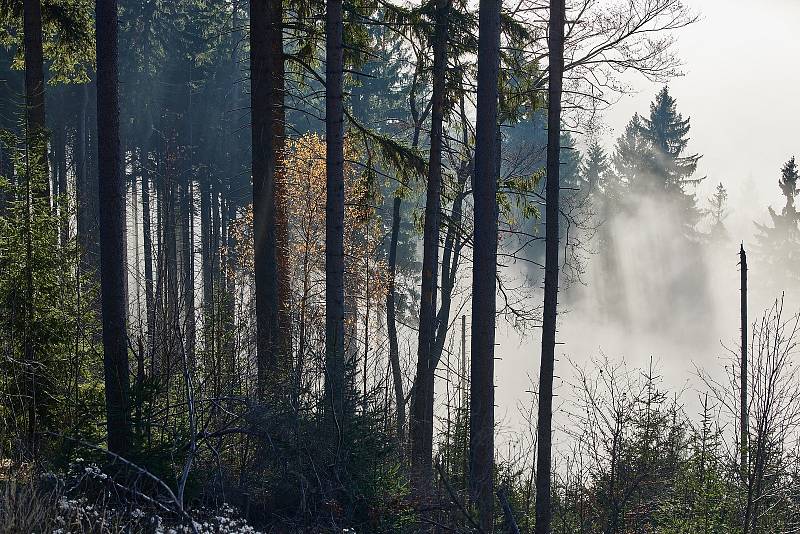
x: 743, y: 419
x: 147, y: 235
x: 481, y: 423
x: 744, y: 423
x: 421, y: 422
x: 451, y: 255
x: 391, y: 325
x: 334, y: 221
x: 229, y: 280
x: 262, y: 26
x: 112, y: 229
x: 207, y: 267
x: 7, y: 172
x: 186, y: 224
x: 545, y: 419
x: 62, y: 200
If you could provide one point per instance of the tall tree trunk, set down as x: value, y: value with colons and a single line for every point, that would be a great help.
x: 391, y: 293
x: 743, y: 419
x: 421, y: 423
x: 147, y: 234
x: 545, y: 416
x: 112, y: 229
x: 744, y: 423
x: 334, y: 221
x: 7, y: 172
x: 36, y: 187
x: 36, y: 134
x: 186, y: 224
x: 60, y: 198
x: 484, y: 272
x: 262, y: 25
x: 207, y: 267
x: 451, y: 255
x: 391, y: 325
x: 278, y: 71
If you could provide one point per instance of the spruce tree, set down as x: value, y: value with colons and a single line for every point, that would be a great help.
x: 779, y: 244
x: 594, y: 168
x: 717, y: 211
x: 671, y: 171
x: 632, y: 156
x: 666, y: 130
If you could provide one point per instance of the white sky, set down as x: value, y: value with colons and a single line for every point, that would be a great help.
x: 741, y: 88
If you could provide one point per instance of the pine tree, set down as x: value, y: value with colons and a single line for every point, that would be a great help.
x: 666, y: 130
x: 595, y: 168
x: 632, y: 156
x: 779, y: 244
x: 717, y: 211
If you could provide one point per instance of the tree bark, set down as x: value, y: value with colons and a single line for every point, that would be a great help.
x: 147, y: 234
x: 207, y: 266
x: 62, y: 200
x: 112, y: 230
x: 421, y: 422
x: 484, y: 272
x: 391, y: 325
x: 186, y: 227
x: 278, y: 72
x: 334, y: 221
x: 36, y: 133
x: 262, y: 26
x: 545, y: 416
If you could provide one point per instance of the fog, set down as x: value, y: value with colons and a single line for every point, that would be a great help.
x: 679, y: 303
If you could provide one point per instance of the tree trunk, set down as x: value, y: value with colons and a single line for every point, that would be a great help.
x: 186, y: 227
x: 391, y: 325
x: 62, y: 200
x: 744, y: 423
x: 421, y: 423
x: 112, y: 230
x: 147, y: 233
x: 262, y: 26
x: 545, y: 416
x: 743, y: 419
x: 207, y: 267
x: 277, y: 70
x: 451, y: 255
x: 36, y: 133
x: 334, y: 221
x: 484, y: 272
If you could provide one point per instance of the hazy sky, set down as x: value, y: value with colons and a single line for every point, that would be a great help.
x: 741, y: 88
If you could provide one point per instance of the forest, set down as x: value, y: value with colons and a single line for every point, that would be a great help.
x: 367, y: 266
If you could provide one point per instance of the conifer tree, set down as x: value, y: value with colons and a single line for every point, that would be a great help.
x: 632, y: 155
x: 779, y: 244
x: 595, y: 168
x: 718, y: 211
x: 666, y: 130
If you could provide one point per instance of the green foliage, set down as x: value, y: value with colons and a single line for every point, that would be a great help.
x: 67, y: 32
x: 47, y: 320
